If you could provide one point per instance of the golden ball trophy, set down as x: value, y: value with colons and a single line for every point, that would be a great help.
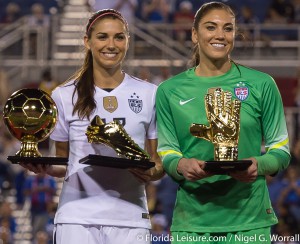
x: 115, y: 136
x: 30, y: 116
x: 223, y: 115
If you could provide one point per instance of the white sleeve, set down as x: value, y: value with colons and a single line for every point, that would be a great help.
x: 61, y: 130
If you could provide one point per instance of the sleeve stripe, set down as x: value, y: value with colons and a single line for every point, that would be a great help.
x: 280, y: 144
x: 165, y: 153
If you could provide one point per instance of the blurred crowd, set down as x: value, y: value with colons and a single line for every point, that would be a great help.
x: 179, y: 14
x: 160, y: 11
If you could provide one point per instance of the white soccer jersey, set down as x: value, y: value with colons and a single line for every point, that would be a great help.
x: 103, y: 195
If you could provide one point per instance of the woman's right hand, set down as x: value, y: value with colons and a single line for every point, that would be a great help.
x: 52, y: 170
x: 36, y: 168
x: 192, y: 169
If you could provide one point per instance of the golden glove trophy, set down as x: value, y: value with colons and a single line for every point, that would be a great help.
x: 223, y: 115
x: 30, y: 116
x: 115, y: 136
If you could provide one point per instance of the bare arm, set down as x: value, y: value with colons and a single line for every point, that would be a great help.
x: 154, y: 173
x: 62, y: 150
x: 157, y: 170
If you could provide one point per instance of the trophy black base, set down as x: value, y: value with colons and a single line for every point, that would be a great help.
x: 225, y: 167
x: 120, y: 163
x: 38, y: 160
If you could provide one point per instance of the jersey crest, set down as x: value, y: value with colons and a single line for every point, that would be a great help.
x: 135, y: 104
x: 241, y: 92
x: 110, y: 103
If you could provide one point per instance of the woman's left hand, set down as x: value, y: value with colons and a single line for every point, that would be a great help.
x: 143, y: 175
x: 247, y: 176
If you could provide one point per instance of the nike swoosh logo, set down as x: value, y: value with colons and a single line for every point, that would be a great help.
x: 186, y: 101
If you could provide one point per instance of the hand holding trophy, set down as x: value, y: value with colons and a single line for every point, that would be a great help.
x: 30, y: 115
x: 223, y: 115
x: 115, y: 136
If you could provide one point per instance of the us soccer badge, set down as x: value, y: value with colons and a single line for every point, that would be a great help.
x: 135, y: 104
x: 241, y: 91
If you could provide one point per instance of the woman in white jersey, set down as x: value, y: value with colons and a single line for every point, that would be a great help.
x: 103, y: 204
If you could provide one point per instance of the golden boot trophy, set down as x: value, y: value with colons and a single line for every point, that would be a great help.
x: 115, y: 136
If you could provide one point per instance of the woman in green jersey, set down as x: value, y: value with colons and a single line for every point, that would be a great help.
x: 210, y: 207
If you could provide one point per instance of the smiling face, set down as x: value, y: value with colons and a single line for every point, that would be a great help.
x: 108, y: 43
x: 215, y: 35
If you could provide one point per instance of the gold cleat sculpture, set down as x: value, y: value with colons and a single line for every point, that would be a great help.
x: 115, y: 136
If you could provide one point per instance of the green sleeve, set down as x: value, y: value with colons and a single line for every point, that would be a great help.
x: 272, y: 162
x: 168, y: 145
x: 274, y: 127
x: 170, y: 166
x: 274, y: 131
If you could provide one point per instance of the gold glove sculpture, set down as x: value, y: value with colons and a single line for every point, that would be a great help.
x: 223, y: 115
x: 115, y: 136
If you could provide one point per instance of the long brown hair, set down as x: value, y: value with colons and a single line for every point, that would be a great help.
x: 84, y: 77
x: 202, y: 11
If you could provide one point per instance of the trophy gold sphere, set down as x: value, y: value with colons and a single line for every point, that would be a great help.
x: 30, y: 115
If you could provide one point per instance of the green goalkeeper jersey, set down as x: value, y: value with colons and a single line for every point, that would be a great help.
x: 220, y: 203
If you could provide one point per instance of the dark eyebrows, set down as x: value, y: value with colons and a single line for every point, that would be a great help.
x: 104, y: 33
x: 209, y: 22
x: 213, y: 23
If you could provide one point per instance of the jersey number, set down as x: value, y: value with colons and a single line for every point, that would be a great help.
x: 122, y: 121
